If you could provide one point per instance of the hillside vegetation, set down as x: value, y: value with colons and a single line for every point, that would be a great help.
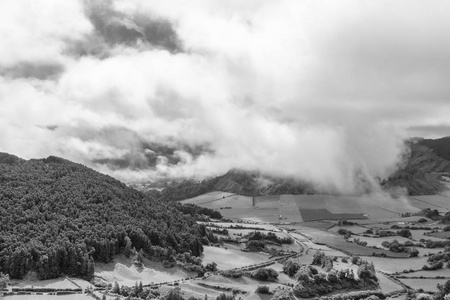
x: 239, y: 182
x: 421, y: 173
x: 58, y: 217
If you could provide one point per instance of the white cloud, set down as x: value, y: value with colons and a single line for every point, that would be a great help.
x: 322, y: 91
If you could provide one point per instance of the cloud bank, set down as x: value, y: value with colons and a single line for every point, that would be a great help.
x: 322, y: 91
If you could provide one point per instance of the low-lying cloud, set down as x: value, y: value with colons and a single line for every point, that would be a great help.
x: 319, y: 91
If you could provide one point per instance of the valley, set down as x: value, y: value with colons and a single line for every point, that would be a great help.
x: 357, y: 229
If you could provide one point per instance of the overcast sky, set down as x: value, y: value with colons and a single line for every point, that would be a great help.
x: 321, y: 90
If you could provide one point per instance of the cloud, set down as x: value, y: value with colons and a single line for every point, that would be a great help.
x: 318, y: 91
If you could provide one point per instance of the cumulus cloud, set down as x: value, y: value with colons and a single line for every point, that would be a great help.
x: 321, y: 91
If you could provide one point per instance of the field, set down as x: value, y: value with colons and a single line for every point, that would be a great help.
x: 337, y: 241
x: 231, y: 258
x: 439, y: 235
x: 51, y: 297
x: 428, y: 285
x: 301, y: 208
x: 392, y: 265
x: 59, y: 283
x: 438, y: 202
x: 122, y: 271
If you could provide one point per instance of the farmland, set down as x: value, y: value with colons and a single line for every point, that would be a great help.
x: 313, y: 221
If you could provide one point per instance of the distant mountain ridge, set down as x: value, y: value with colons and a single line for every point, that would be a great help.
x: 419, y: 174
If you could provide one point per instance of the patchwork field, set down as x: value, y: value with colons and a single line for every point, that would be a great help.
x: 337, y: 241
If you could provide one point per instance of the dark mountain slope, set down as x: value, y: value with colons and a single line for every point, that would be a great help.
x: 421, y: 173
x: 239, y: 182
x: 440, y: 147
x: 57, y: 217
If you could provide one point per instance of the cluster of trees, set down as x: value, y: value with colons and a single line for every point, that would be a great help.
x: 59, y: 217
x: 311, y: 283
x: 396, y: 246
x: 270, y: 236
x: 265, y: 274
x: 320, y: 259
x: 195, y: 210
x: 435, y: 244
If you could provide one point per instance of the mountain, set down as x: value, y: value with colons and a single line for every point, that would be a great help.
x: 419, y: 174
x: 58, y: 217
x: 239, y: 182
x: 440, y: 147
x: 423, y: 166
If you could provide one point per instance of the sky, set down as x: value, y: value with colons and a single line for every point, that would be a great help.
x: 322, y: 91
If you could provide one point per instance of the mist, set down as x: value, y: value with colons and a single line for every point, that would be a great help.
x: 323, y: 92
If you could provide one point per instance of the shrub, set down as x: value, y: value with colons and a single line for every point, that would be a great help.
x: 224, y: 296
x: 263, y: 289
x: 265, y: 274
x: 434, y: 266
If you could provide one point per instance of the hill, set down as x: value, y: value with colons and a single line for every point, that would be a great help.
x: 422, y: 169
x: 58, y: 217
x: 420, y: 174
x: 440, y: 147
x: 240, y: 182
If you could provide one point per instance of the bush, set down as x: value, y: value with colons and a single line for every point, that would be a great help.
x: 224, y: 296
x: 263, y: 289
x: 265, y: 274
x: 435, y: 266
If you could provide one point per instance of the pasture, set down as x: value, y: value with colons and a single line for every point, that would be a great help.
x: 231, y: 258
x: 122, y: 271
x: 428, y: 285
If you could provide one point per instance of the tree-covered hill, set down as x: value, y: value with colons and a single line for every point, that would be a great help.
x: 239, y: 182
x: 58, y: 217
x: 440, y: 147
x: 421, y: 172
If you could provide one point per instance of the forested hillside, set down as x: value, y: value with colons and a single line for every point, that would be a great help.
x: 440, y: 147
x: 57, y: 217
x: 422, y: 170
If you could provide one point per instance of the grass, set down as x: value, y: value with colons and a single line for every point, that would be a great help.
x: 51, y: 297
x: 392, y: 265
x: 337, y: 242
x: 309, y: 214
x: 439, y: 235
x: 428, y: 285
x: 231, y: 258
x: 122, y: 271
x: 441, y: 203
x: 58, y: 283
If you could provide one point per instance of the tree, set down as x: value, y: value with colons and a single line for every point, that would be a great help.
x: 212, y: 266
x: 4, y: 280
x: 116, y: 288
x: 127, y: 250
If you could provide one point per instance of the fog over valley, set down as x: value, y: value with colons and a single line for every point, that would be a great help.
x: 323, y: 92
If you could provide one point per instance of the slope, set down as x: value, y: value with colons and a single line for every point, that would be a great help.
x: 57, y: 217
